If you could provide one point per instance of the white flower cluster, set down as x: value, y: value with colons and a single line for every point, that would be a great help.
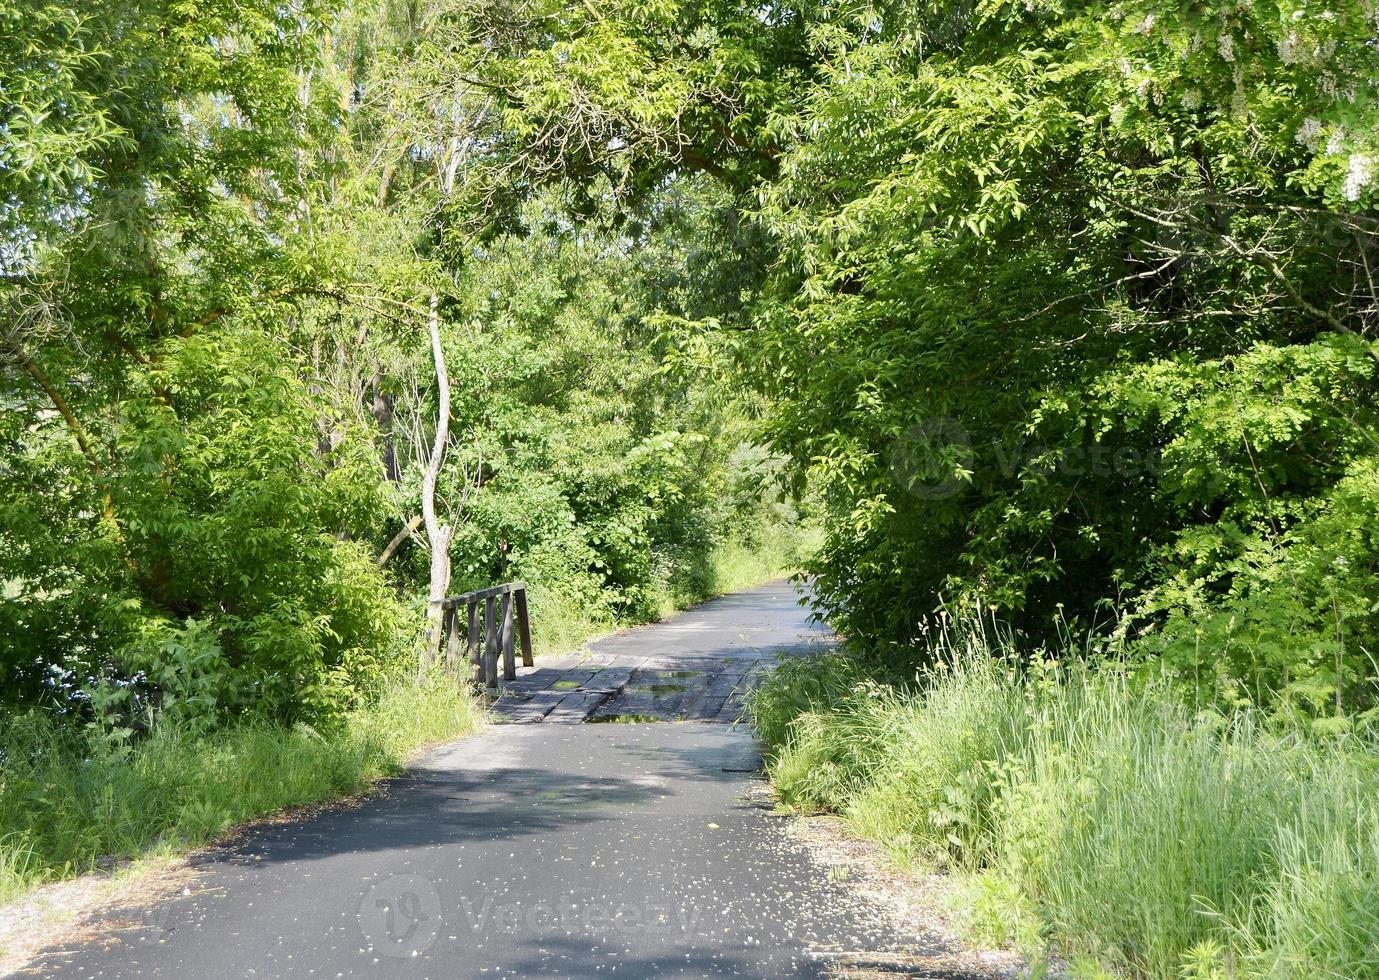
x: 1309, y: 134
x: 1288, y: 49
x: 1225, y: 45
x: 1293, y: 49
x: 1359, y: 175
x: 1146, y: 26
x: 1240, y: 103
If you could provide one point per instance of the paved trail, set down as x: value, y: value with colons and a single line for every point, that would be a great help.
x: 548, y: 850
x: 697, y: 666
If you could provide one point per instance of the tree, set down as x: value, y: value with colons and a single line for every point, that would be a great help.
x: 438, y: 534
x: 1062, y: 308
x: 168, y: 514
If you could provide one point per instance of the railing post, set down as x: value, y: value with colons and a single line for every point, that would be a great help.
x: 452, y: 634
x: 474, y: 652
x: 523, y: 625
x: 505, y: 639
x: 490, y: 632
x: 490, y: 645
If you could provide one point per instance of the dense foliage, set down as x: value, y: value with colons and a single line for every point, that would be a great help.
x: 1065, y: 306
x: 1095, y: 301
x: 1065, y: 309
x: 224, y: 228
x: 1056, y: 306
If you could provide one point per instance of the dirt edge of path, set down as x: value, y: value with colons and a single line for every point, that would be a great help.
x: 916, y: 902
x: 98, y: 905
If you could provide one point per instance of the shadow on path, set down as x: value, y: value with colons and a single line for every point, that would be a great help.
x: 637, y: 850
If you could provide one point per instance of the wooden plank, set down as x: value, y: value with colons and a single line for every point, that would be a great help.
x: 488, y: 593
x: 505, y: 639
x: 452, y: 636
x: 475, y: 653
x: 538, y: 680
x: 576, y: 676
x: 558, y: 664
x: 523, y: 712
x: 576, y: 706
x: 490, y: 645
x: 707, y: 709
x: 611, y: 679
x: 724, y: 685
x: 524, y: 626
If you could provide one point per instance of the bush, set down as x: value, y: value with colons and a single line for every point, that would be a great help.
x: 68, y: 798
x: 222, y: 569
x: 569, y: 606
x: 1098, y: 810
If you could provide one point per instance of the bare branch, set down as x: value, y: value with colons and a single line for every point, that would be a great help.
x: 402, y: 535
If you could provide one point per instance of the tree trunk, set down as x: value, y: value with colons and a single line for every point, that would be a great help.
x: 437, y: 533
x: 381, y: 408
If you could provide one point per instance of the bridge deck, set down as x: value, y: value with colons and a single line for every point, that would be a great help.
x: 697, y: 666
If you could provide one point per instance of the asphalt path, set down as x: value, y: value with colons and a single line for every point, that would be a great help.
x: 584, y: 850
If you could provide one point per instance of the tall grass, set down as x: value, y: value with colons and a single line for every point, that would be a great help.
x: 735, y: 565
x: 69, y: 799
x: 1097, y: 810
x: 565, y: 618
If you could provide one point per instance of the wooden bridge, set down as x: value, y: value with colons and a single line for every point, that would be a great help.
x: 698, y: 666
x: 490, y: 617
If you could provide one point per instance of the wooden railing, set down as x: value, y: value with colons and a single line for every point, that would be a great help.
x: 489, y: 634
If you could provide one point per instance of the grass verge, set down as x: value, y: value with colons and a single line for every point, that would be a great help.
x: 1096, y: 812
x: 70, y: 803
x: 735, y: 565
x: 563, y: 621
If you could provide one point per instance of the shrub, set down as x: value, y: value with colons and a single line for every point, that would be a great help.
x: 1138, y: 833
x: 69, y: 797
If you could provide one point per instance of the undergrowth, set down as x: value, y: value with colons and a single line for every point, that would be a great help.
x: 1096, y: 810
x: 564, y: 619
x: 72, y: 800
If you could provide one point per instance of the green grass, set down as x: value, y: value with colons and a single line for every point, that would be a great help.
x: 66, y: 800
x: 735, y: 566
x: 562, y: 622
x: 1098, y: 812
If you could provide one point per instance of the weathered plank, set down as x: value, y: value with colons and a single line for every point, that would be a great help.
x: 505, y: 639
x: 524, y: 627
x: 611, y: 679
x: 479, y: 595
x: 576, y: 706
x: 474, y: 651
x: 707, y: 709
x: 490, y: 644
x: 452, y: 637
